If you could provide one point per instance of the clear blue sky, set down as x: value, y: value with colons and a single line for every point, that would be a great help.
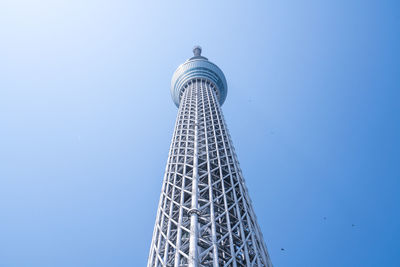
x: 86, y: 120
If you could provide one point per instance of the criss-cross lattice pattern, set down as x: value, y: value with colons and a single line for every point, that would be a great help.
x: 205, y: 216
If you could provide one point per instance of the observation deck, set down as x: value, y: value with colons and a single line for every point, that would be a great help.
x: 198, y: 67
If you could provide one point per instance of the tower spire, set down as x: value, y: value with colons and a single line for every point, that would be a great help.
x: 197, y: 51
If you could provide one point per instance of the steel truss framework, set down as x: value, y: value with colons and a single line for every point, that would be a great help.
x: 205, y: 216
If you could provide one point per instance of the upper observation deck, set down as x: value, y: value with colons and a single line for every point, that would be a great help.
x: 198, y: 67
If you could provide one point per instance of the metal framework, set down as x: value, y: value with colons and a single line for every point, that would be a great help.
x: 205, y: 216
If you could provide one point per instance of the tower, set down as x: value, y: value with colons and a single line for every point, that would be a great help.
x: 205, y: 216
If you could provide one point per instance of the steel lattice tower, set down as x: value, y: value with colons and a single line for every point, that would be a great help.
x: 205, y: 216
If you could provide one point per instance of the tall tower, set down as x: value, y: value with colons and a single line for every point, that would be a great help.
x: 205, y: 216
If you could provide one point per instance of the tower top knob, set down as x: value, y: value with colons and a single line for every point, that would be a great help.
x: 197, y: 51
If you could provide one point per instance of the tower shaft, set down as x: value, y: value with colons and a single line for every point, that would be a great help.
x: 205, y: 216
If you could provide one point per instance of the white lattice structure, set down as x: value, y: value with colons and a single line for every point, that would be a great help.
x: 205, y: 216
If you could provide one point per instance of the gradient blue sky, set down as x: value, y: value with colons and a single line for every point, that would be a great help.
x: 86, y: 120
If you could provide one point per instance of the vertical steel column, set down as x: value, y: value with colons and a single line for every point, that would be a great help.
x: 194, y: 212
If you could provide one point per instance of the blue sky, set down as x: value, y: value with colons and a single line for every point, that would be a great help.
x: 86, y: 120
